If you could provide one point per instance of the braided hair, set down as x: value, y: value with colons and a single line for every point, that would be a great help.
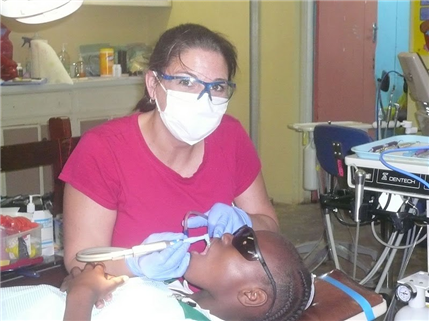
x: 294, y: 284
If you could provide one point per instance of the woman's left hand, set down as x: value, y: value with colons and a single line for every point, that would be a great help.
x: 92, y: 279
x: 221, y: 219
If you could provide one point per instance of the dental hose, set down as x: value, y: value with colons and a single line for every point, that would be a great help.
x: 185, y: 220
x: 388, y: 264
x: 380, y: 260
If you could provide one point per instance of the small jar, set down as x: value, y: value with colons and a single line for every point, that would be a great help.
x: 106, y: 62
x: 117, y: 70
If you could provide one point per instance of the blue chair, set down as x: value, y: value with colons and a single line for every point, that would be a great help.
x: 333, y: 143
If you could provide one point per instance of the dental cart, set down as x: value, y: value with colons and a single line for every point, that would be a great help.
x: 414, y: 289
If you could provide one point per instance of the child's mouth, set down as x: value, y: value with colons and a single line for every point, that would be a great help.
x: 208, y: 243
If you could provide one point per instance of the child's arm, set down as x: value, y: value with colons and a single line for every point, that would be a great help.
x: 86, y: 288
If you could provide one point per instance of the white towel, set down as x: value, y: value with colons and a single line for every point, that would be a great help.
x: 46, y: 64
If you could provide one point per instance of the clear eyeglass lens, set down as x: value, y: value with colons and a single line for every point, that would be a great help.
x: 221, y: 89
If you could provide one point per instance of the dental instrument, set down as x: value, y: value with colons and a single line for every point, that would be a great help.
x: 99, y: 254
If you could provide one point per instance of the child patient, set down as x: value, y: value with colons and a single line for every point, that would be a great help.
x: 251, y: 275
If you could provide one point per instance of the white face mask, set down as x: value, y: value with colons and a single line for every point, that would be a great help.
x: 189, y: 119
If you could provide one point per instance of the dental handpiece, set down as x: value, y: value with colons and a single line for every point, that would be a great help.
x: 100, y: 254
x: 144, y: 249
x: 359, y: 190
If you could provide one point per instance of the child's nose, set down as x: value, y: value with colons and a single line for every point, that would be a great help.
x: 227, y: 238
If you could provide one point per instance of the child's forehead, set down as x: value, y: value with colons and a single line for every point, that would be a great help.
x: 273, y: 245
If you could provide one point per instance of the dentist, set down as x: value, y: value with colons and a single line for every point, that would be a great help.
x: 133, y: 178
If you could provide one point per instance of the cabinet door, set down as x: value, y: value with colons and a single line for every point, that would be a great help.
x: 87, y: 124
x: 145, y: 3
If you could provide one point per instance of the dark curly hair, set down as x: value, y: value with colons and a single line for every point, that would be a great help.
x: 177, y: 40
x: 293, y: 282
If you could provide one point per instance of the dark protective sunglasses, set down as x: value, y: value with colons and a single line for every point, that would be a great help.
x: 245, y: 242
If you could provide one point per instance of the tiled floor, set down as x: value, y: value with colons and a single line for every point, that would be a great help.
x: 304, y: 223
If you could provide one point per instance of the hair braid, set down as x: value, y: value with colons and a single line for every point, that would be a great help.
x: 304, y: 301
x: 292, y: 295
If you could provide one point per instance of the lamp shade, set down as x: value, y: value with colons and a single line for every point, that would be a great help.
x: 54, y: 14
x: 27, y: 8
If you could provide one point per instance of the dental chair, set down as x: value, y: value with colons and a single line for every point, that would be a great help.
x: 333, y: 143
x: 339, y: 298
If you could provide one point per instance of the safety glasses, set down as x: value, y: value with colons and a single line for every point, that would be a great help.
x: 222, y: 89
x: 245, y: 242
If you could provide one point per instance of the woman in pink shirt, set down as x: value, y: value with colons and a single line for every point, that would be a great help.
x: 137, y: 176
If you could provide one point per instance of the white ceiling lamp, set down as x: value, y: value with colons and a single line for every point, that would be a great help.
x: 55, y: 14
x: 38, y: 11
x: 26, y: 8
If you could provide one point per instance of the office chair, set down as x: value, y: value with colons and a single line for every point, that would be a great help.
x: 333, y: 143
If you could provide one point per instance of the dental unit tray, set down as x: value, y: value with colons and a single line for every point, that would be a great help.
x: 373, y: 150
x: 99, y: 254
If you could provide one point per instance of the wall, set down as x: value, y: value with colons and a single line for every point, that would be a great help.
x: 230, y: 18
x: 392, y: 38
x: 91, y: 25
x: 279, y: 83
x: 280, y: 103
x: 280, y: 59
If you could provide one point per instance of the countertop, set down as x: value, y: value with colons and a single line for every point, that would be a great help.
x: 90, y: 82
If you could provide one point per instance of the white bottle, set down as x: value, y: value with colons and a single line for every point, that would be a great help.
x: 64, y: 58
x: 31, y: 207
x: 19, y: 71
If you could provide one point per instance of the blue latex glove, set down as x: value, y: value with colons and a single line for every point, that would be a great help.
x: 221, y: 219
x: 169, y: 263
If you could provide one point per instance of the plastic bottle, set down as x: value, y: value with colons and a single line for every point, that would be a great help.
x: 19, y: 71
x: 64, y: 58
x: 27, y: 63
x: 31, y: 207
x: 106, y: 62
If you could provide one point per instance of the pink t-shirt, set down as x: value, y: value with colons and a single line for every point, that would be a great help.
x: 113, y: 165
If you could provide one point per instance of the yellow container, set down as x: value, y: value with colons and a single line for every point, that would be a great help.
x: 106, y: 62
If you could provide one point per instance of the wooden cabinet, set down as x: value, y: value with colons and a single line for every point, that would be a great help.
x: 145, y: 3
x: 26, y: 110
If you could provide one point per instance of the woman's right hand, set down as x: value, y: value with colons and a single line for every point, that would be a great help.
x: 169, y: 263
